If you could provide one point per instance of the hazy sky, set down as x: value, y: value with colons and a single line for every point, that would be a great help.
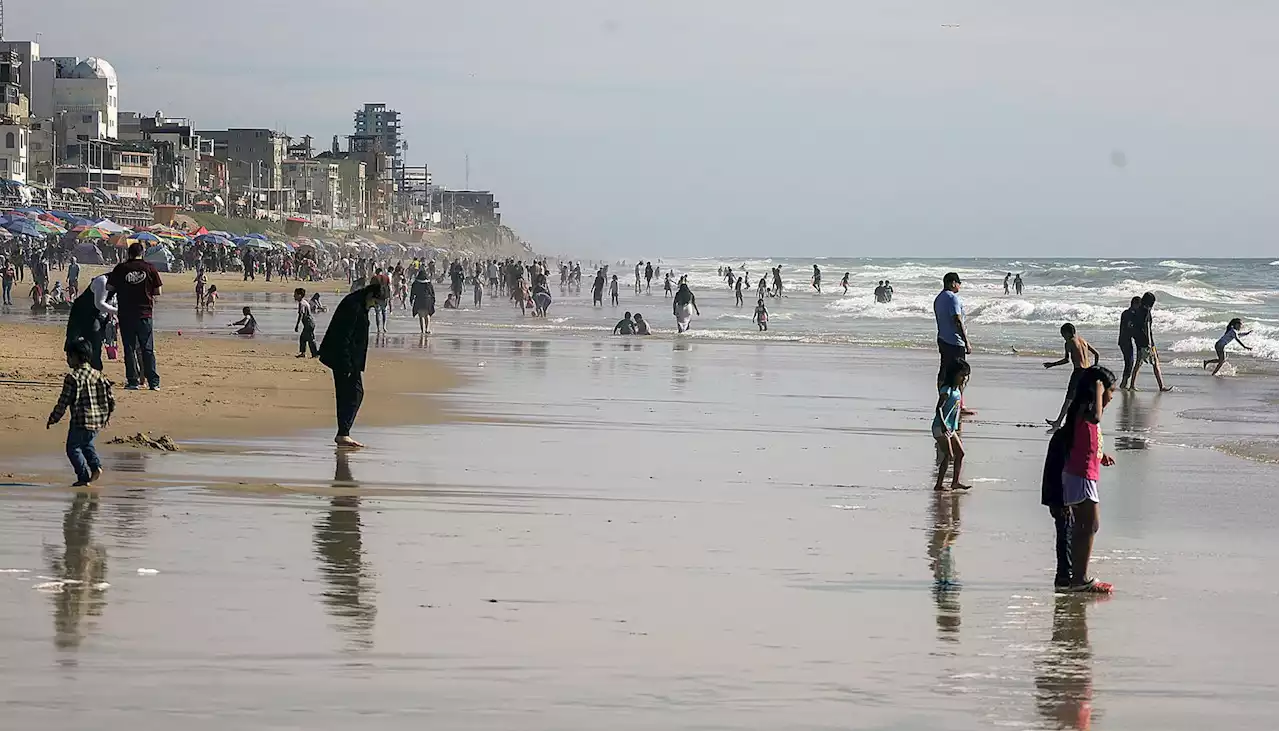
x: 747, y: 127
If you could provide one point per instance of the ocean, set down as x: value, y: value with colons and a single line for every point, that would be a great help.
x: 1195, y: 299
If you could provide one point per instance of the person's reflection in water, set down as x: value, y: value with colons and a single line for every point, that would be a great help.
x: 1064, y: 672
x: 349, y: 594
x: 83, y: 566
x: 1135, y: 419
x: 945, y: 528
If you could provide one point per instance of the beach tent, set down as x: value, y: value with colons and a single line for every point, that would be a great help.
x: 110, y: 226
x: 86, y: 253
x: 159, y: 257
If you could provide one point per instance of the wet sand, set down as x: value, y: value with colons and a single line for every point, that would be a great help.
x: 220, y: 385
x: 660, y: 533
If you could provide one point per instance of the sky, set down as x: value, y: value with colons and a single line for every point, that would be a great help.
x: 753, y: 128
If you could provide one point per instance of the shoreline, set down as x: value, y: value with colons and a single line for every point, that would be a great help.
x: 212, y: 387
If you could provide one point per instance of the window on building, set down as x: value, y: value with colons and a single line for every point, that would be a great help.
x: 8, y: 140
x: 4, y: 164
x: 37, y: 146
x: 86, y: 118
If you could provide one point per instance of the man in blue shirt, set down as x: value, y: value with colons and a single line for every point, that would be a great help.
x: 953, y: 341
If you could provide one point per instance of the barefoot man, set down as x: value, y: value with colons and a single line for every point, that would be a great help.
x: 343, y: 350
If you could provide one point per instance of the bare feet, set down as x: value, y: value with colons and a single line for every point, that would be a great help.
x: 347, y: 443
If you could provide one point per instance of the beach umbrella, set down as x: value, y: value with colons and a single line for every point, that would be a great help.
x: 22, y: 227
x: 93, y: 232
x: 211, y: 239
x: 261, y: 237
x: 110, y: 226
x: 145, y: 236
x: 49, y: 228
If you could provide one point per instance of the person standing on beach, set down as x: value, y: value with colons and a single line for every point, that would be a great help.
x: 1128, y: 332
x: 844, y: 282
x: 613, y: 291
x: 737, y: 292
x: 1144, y: 340
x: 7, y: 277
x: 817, y: 279
x: 597, y: 289
x: 948, y: 311
x: 86, y: 393
x: 683, y: 305
x: 344, y: 350
x: 639, y: 269
x: 89, y: 317
x: 946, y: 424
x: 137, y: 284
x: 761, y: 316
x: 73, y: 278
x: 1006, y: 281
x: 1080, y: 354
x: 1017, y: 284
x: 381, y: 279
x: 422, y: 301
x: 666, y: 285
x: 777, y: 281
x: 648, y: 277
x: 307, y: 323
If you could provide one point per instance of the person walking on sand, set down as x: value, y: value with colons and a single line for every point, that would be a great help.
x: 948, y: 311
x: 86, y: 393
x: 1081, y: 355
x: 1129, y: 331
x: 666, y: 285
x: 737, y: 292
x: 1069, y: 487
x: 648, y: 277
x: 307, y: 323
x: 683, y: 306
x: 344, y: 350
x: 946, y: 424
x: 1144, y: 340
x: 639, y: 270
x: 422, y: 301
x: 137, y: 284
x: 1232, y: 334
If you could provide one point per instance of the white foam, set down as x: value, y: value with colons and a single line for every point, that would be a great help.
x: 148, y: 572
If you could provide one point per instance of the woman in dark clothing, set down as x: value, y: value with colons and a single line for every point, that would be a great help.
x: 422, y: 301
x: 1128, y: 328
x: 344, y: 349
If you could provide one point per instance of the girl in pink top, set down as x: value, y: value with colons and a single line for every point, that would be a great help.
x: 1081, y: 471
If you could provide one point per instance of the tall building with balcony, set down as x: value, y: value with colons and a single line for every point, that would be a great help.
x: 254, y: 157
x: 375, y: 120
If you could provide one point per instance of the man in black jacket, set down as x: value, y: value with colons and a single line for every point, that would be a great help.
x: 343, y: 350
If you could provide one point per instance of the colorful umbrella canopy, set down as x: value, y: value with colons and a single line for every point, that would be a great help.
x: 213, y: 239
x: 145, y: 236
x: 49, y: 228
x: 93, y: 232
x: 22, y: 226
x: 261, y: 237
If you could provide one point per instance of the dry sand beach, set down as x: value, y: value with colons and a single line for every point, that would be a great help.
x: 584, y: 532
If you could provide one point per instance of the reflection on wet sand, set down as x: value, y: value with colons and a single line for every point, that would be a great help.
x: 944, y: 528
x: 1064, y: 672
x: 1134, y: 418
x: 82, y: 565
x: 349, y: 595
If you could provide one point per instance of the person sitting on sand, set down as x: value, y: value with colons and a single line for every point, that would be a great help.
x: 1080, y: 354
x: 1232, y: 334
x: 248, y: 324
x: 625, y: 326
x: 316, y: 304
x: 641, y: 325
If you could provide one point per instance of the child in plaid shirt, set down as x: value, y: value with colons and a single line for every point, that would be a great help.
x: 87, y: 393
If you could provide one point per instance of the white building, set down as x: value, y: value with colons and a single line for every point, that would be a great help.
x: 15, y: 162
x: 84, y: 93
x: 317, y: 184
x: 28, y: 54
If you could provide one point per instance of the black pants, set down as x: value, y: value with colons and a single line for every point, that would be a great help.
x: 949, y: 354
x: 308, y: 338
x: 1063, y: 524
x: 348, y: 389
x: 1126, y: 349
x: 139, y: 352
